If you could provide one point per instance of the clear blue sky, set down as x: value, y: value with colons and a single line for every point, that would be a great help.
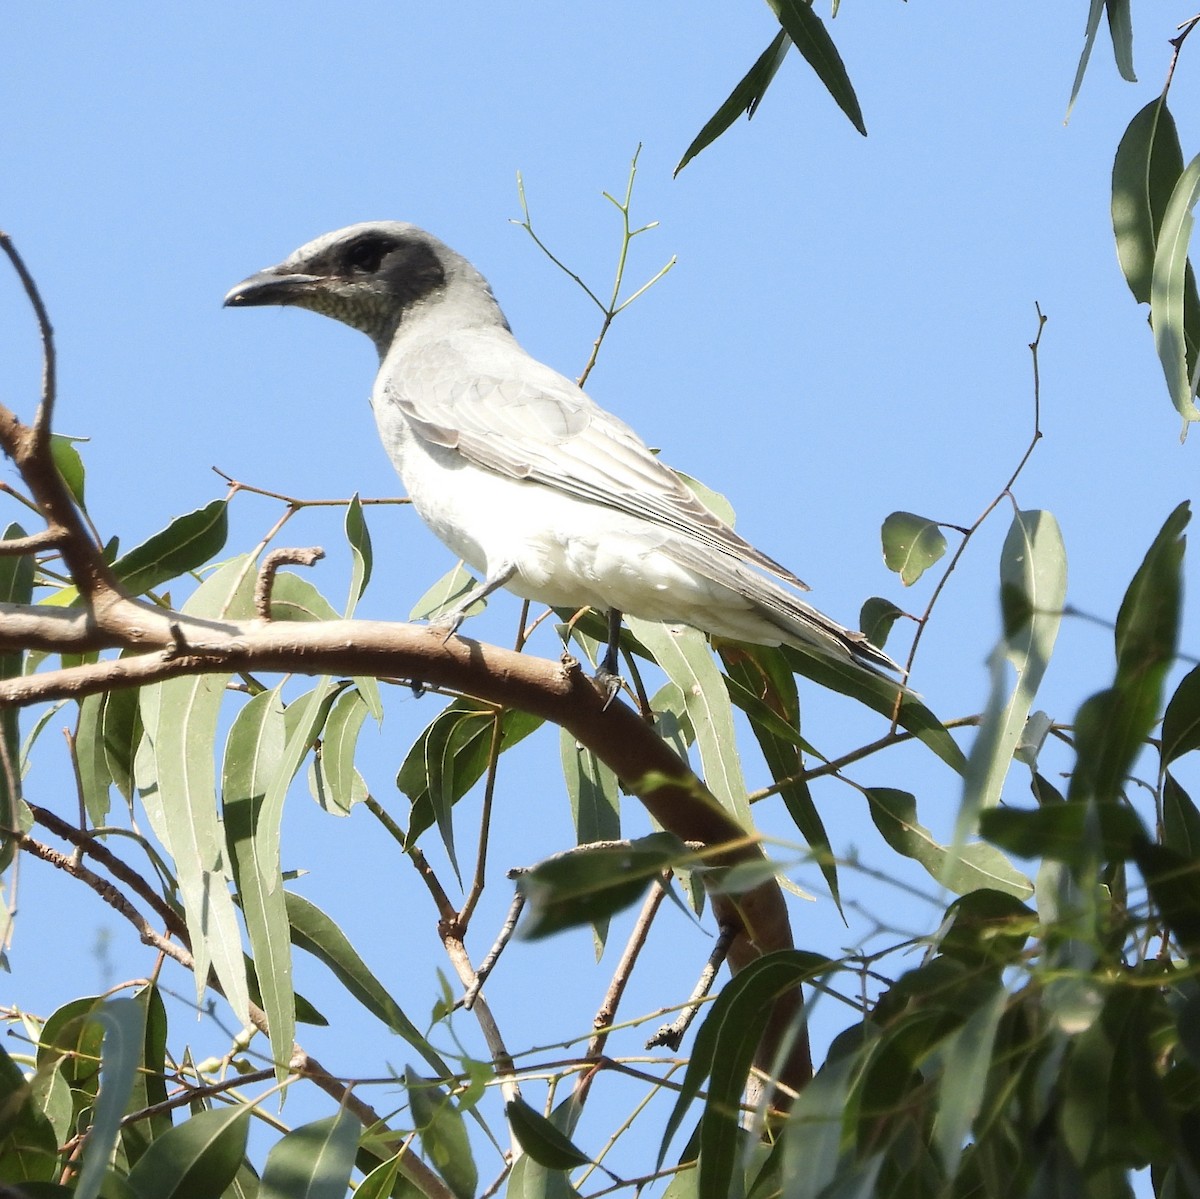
x: 844, y: 335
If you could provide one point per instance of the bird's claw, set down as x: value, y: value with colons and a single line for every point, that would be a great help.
x: 609, y: 685
x: 447, y: 624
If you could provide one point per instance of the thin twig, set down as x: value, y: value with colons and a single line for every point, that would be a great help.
x: 493, y: 955
x: 294, y: 502
x: 284, y: 556
x: 45, y: 409
x: 671, y: 1035
x: 485, y: 824
x: 602, y: 1022
x: 923, y: 619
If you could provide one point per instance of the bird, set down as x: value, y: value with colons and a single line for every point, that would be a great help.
x: 519, y: 472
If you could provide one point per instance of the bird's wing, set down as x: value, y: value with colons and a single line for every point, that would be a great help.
x: 511, y: 414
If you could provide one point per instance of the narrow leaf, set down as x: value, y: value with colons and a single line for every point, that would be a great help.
x: 745, y: 98
x: 812, y: 39
x: 1033, y: 588
x: 120, y: 1056
x: 314, y: 932
x: 976, y: 865
x: 684, y: 656
x: 186, y: 544
x: 966, y: 1057
x: 69, y: 464
x: 764, y: 688
x: 449, y: 758
x: 1120, y: 28
x: 541, y: 1139
x: 592, y: 883
x: 90, y: 760
x: 1095, y: 12
x: 724, y: 1048
x: 443, y: 1134
x: 445, y: 594
x: 359, y: 538
x: 342, y: 784
x: 253, y: 752
x: 179, y: 793
x: 201, y: 1156
x: 1181, y: 722
x: 1167, y: 291
x: 313, y: 1161
x: 1146, y: 168
x: 16, y: 587
x: 1111, y: 726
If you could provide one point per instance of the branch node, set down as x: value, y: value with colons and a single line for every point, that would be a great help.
x: 270, y: 564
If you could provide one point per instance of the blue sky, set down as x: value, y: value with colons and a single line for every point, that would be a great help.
x: 845, y: 334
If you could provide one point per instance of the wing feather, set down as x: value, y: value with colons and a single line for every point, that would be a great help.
x: 511, y: 414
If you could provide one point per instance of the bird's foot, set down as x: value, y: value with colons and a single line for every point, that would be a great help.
x: 448, y: 623
x: 609, y: 683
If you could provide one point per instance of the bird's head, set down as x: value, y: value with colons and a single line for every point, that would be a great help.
x: 369, y: 276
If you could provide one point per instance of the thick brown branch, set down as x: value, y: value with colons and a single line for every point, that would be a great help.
x: 615, y: 733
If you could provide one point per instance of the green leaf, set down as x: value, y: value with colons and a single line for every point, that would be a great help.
x: 443, y: 1134
x: 966, y: 1058
x: 1181, y: 722
x: 199, y: 1157
x: 122, y: 732
x: 123, y: 1022
x: 1111, y: 727
x: 976, y: 865
x: 186, y: 544
x: 1168, y: 287
x: 359, y: 538
x: 593, y: 790
x: 341, y: 786
x: 876, y: 618
x: 813, y: 1135
x: 175, y: 775
x: 541, y: 1138
x: 1095, y: 12
x: 1174, y: 885
x: 28, y: 1144
x: 1120, y: 28
x: 449, y: 758
x: 761, y: 684
x: 314, y: 932
x: 313, y: 1161
x: 724, y: 1048
x: 1033, y: 588
x: 684, y: 656
x: 16, y: 587
x: 1181, y: 819
x: 879, y: 694
x: 90, y: 759
x: 293, y: 597
x: 745, y: 98
x: 446, y: 594
x: 714, y: 501
x: 253, y: 753
x: 1147, y: 166
x: 1064, y: 832
x: 911, y: 545
x: 812, y: 39
x: 591, y: 883
x: 68, y: 464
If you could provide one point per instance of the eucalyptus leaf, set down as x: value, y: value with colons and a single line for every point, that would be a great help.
x: 911, y: 545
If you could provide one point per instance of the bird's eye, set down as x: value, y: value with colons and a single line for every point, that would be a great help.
x: 366, y: 255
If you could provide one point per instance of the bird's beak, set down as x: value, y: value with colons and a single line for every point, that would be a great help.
x: 275, y: 285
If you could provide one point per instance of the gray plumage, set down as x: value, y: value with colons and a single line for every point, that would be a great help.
x: 517, y: 470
